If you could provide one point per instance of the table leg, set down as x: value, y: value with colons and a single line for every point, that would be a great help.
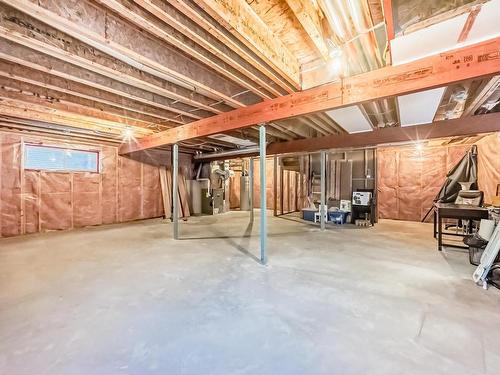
x: 434, y: 222
x: 440, y: 232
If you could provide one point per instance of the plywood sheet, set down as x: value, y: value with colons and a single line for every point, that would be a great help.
x: 234, y: 190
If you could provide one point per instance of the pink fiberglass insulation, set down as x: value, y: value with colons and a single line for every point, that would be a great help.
x: 109, y: 175
x: 42, y: 200
x: 31, y: 194
x: 489, y: 165
x: 409, y: 179
x: 152, y: 202
x: 86, y: 199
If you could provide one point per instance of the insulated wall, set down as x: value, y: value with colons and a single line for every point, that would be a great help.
x: 409, y: 179
x: 37, y: 200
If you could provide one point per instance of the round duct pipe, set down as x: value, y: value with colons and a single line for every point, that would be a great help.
x: 227, y: 154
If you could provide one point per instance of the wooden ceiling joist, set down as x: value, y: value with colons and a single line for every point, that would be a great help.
x: 240, y: 19
x: 29, y: 111
x: 53, y: 67
x: 310, y: 21
x: 294, y: 129
x: 39, y: 118
x: 205, y: 40
x: 191, y: 49
x: 327, y: 119
x: 27, y: 92
x: 389, y: 20
x: 109, y: 72
x: 13, y: 97
x: 277, y: 132
x: 441, y: 129
x: 321, y: 129
x: 328, y: 125
x: 483, y: 93
x: 21, y: 74
x: 199, y: 80
x: 221, y: 34
x: 58, y: 131
x: 479, y: 60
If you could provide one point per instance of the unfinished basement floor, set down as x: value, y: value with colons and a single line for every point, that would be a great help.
x: 127, y: 299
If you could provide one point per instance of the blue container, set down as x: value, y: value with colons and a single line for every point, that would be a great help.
x: 337, y: 217
x: 308, y: 214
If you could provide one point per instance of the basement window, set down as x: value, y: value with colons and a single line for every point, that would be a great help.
x: 60, y: 159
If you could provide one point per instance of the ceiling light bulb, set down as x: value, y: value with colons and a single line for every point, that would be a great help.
x: 128, y: 134
x: 335, y: 62
x: 336, y: 65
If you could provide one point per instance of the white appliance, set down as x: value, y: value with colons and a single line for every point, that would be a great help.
x: 345, y: 205
x: 361, y: 198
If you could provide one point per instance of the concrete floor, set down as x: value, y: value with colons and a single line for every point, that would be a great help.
x: 126, y: 299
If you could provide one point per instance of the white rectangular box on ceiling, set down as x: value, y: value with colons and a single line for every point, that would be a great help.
x: 351, y: 119
x: 420, y: 107
x: 444, y: 36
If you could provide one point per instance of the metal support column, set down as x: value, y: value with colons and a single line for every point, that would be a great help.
x: 322, y: 211
x: 263, y: 203
x: 275, y: 185
x: 175, y: 190
x: 250, y: 172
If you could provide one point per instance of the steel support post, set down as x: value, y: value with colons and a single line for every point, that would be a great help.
x: 251, y: 183
x: 175, y: 190
x: 275, y: 185
x: 322, y: 210
x: 263, y: 203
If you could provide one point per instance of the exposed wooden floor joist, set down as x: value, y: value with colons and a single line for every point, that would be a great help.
x: 479, y: 60
x: 440, y: 129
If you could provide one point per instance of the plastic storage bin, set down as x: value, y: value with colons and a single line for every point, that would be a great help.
x: 337, y: 217
x: 308, y: 214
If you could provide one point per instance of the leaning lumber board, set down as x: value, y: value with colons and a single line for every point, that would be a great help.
x: 184, y: 197
x: 165, y: 193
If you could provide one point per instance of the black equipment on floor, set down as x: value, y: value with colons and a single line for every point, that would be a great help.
x: 363, y: 206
